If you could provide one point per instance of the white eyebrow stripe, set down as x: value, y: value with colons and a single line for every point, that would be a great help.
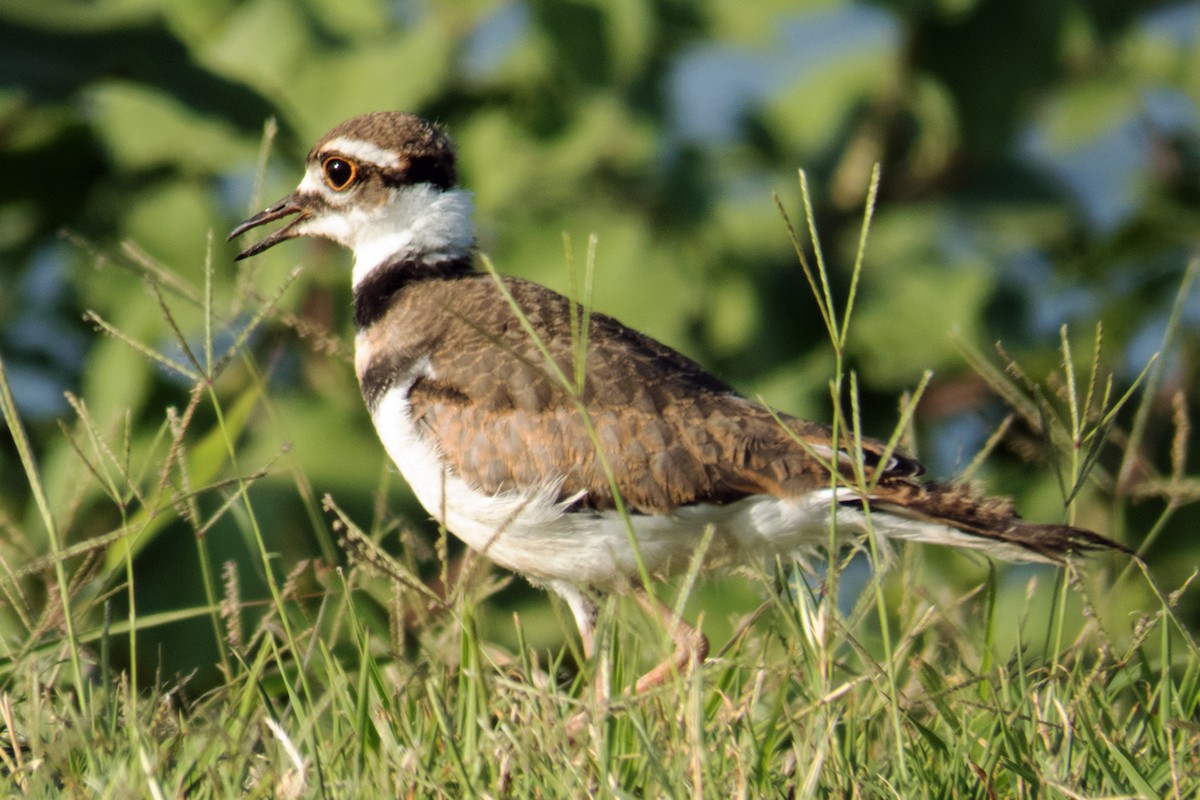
x: 365, y: 152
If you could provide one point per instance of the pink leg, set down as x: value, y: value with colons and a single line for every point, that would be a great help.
x: 691, y: 646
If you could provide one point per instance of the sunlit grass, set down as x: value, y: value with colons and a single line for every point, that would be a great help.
x: 375, y: 676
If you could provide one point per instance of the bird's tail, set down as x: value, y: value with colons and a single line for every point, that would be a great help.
x: 958, y: 516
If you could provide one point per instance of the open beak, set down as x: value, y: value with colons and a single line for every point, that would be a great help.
x: 285, y: 207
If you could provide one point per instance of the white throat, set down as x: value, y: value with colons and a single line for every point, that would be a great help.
x: 419, y: 221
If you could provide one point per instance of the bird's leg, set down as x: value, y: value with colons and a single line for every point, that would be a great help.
x: 691, y: 646
x: 585, y: 611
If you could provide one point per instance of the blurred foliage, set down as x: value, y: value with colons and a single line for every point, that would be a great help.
x: 1041, y: 167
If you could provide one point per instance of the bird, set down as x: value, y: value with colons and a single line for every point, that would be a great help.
x: 587, y: 489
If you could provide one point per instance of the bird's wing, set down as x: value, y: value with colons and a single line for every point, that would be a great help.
x: 650, y: 423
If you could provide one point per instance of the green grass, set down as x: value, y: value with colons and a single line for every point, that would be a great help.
x: 385, y: 669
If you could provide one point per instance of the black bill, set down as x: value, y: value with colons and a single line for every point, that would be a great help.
x: 285, y: 207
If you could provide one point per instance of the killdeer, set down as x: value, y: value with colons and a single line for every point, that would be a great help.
x: 557, y: 485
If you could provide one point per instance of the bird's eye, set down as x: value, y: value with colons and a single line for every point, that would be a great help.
x: 339, y: 173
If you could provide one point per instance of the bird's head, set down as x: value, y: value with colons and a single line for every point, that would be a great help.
x: 383, y: 185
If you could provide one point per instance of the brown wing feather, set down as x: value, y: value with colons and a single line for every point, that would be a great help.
x: 672, y: 433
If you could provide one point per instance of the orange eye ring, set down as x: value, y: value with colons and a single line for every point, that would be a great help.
x: 339, y: 173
